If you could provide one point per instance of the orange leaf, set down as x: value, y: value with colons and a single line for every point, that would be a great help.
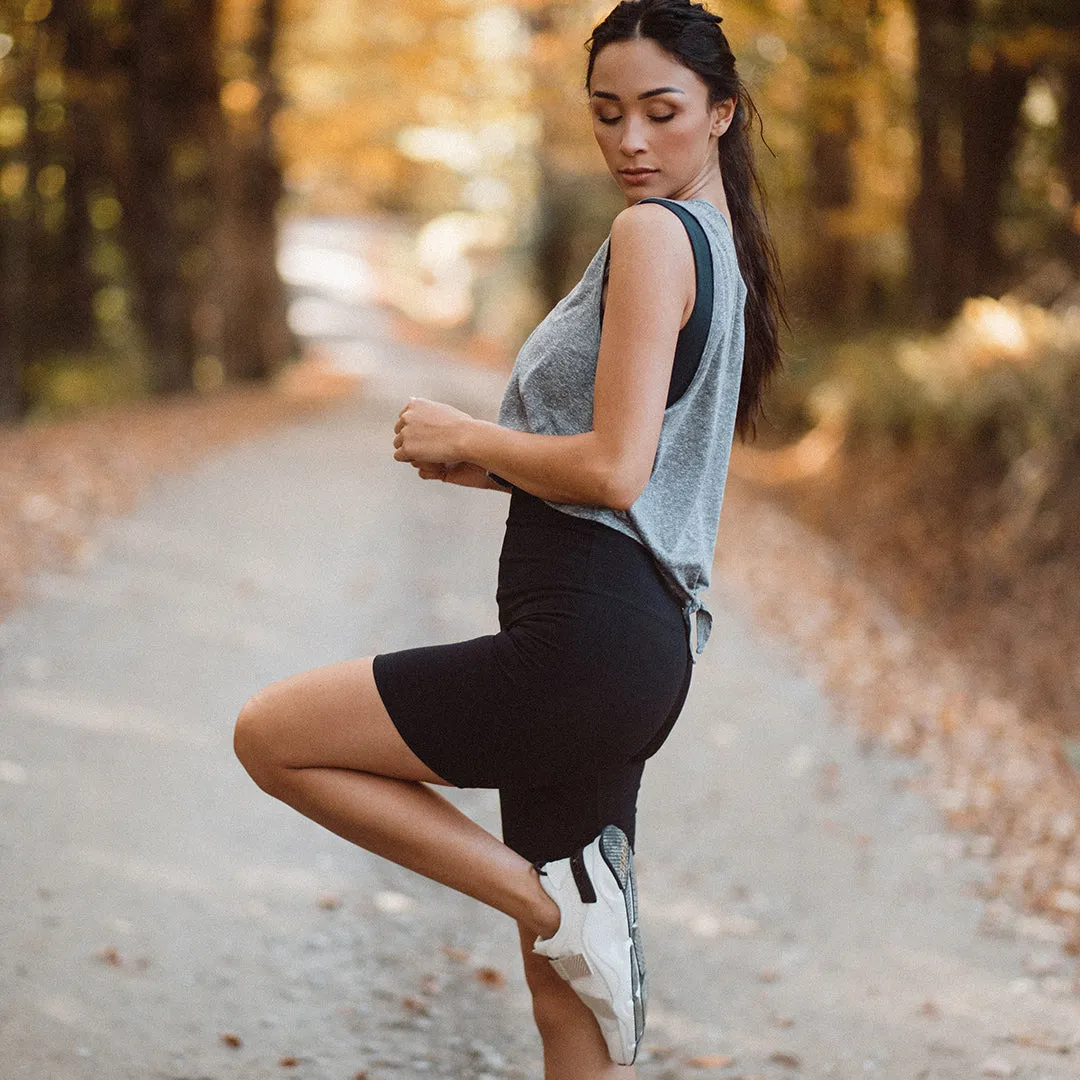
x: 490, y: 976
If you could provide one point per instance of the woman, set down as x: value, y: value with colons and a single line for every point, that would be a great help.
x: 613, y: 439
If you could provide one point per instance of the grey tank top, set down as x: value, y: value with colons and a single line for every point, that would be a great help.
x: 550, y: 392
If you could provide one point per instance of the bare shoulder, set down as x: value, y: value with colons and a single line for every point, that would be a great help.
x: 651, y: 257
x: 650, y: 224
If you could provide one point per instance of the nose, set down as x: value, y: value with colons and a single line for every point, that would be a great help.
x: 633, y: 136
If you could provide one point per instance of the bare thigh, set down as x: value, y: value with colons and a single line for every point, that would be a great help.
x: 330, y: 716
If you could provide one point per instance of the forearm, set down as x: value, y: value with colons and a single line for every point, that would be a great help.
x: 560, y: 468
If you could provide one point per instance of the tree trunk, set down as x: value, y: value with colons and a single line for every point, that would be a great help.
x: 255, y: 336
x: 168, y: 196
x: 834, y: 55
x: 991, y: 125
x: 1070, y: 155
x: 944, y: 31
x: 17, y: 244
x: 88, y: 63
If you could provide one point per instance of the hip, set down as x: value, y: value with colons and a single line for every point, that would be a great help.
x: 551, y: 559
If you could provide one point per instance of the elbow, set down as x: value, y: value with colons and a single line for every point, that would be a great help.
x: 622, y: 488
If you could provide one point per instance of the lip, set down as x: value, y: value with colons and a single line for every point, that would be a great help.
x: 637, y: 176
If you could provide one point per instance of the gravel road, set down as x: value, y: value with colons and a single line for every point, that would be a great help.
x: 805, y: 911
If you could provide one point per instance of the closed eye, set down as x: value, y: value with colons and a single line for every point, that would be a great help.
x: 616, y: 119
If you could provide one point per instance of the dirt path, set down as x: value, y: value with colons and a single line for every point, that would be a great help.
x: 800, y: 903
x: 805, y: 910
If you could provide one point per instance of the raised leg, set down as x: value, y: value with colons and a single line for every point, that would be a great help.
x: 574, y: 1048
x: 323, y: 742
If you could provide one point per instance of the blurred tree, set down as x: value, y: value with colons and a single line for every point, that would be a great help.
x: 836, y: 52
x: 133, y: 216
x: 1070, y: 151
x: 167, y: 190
x: 976, y: 58
x: 19, y: 156
x: 255, y: 338
x: 61, y: 289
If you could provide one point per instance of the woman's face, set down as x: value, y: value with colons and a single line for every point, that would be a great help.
x: 672, y: 133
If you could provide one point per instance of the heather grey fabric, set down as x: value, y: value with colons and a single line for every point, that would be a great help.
x: 550, y: 392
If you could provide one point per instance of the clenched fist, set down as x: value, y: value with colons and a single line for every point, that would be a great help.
x: 429, y: 431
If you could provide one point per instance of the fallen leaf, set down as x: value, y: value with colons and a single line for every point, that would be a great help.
x: 783, y: 1057
x: 1041, y: 1040
x: 490, y: 976
x: 329, y: 902
x: 229, y: 1039
x: 414, y: 1005
x: 710, y: 1061
x: 288, y: 1062
x: 454, y: 953
x: 110, y: 955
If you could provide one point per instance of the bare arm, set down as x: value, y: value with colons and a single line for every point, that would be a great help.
x: 649, y: 288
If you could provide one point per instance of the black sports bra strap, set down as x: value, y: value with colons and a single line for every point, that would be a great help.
x: 692, y: 337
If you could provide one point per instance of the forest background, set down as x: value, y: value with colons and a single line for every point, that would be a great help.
x: 922, y: 164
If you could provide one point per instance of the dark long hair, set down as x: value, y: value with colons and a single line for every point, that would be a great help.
x: 692, y: 35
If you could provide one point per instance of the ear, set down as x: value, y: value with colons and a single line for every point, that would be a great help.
x: 723, y: 113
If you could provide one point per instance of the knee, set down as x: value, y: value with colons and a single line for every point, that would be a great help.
x: 252, y: 742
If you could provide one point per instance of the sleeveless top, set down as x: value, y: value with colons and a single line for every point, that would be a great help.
x: 550, y: 392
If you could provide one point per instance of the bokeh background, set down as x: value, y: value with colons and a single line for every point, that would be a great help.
x: 922, y: 164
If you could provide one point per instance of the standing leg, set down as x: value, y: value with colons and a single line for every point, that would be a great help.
x: 574, y: 1048
x: 323, y: 742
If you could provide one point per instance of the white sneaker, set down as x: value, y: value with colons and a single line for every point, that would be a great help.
x: 597, y: 948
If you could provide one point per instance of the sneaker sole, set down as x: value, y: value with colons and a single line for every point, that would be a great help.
x: 616, y: 852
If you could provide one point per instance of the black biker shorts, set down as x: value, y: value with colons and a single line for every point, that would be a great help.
x: 560, y: 709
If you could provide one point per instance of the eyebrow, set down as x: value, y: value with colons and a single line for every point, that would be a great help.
x: 648, y: 93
